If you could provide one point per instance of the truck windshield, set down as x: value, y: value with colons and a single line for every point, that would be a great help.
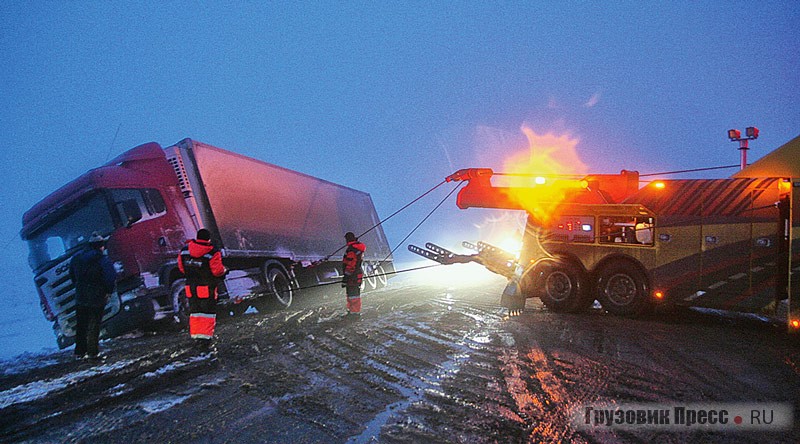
x: 70, y: 228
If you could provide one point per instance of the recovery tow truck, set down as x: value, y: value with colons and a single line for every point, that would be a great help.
x: 728, y: 244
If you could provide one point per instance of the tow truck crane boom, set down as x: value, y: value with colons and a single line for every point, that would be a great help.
x: 593, y: 188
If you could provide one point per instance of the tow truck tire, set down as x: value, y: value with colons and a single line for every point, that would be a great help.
x: 563, y: 288
x: 180, y: 305
x: 280, y: 290
x: 622, y: 289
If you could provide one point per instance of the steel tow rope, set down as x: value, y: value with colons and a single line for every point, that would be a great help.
x: 460, y: 184
x: 388, y: 217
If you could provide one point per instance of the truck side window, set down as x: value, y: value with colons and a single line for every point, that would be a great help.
x: 155, y: 203
x: 136, y: 205
x: 626, y: 230
x: 130, y: 211
x: 644, y: 232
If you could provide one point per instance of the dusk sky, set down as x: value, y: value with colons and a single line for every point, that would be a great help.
x: 387, y: 97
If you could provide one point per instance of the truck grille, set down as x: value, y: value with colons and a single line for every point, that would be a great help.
x: 59, y: 292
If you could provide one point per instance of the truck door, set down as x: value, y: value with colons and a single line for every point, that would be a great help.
x: 140, y: 242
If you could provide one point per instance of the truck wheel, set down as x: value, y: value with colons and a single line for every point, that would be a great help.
x: 563, y: 288
x: 622, y: 290
x: 279, y: 289
x: 180, y: 305
x: 64, y: 341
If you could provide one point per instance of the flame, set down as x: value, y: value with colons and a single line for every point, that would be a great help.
x: 540, y: 185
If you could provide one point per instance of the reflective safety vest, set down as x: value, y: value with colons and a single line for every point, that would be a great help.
x: 351, y: 263
x: 201, y: 263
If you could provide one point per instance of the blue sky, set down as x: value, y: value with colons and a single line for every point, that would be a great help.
x: 387, y: 97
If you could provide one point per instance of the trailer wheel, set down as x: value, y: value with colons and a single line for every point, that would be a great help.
x: 380, y: 273
x: 369, y: 275
x: 180, y: 305
x: 563, y: 288
x: 279, y: 288
x: 622, y: 290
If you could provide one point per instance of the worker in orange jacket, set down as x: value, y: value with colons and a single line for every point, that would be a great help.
x: 201, y: 262
x: 353, y: 273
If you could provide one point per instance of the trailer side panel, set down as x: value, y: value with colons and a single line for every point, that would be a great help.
x: 262, y: 209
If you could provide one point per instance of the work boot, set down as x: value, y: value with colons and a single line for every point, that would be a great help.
x: 205, y: 345
x: 96, y: 358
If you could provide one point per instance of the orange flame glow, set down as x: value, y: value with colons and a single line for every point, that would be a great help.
x: 537, y: 177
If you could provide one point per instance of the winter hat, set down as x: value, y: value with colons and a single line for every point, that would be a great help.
x: 350, y: 237
x: 203, y: 234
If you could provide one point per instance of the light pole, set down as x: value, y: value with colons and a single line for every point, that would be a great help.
x: 735, y: 135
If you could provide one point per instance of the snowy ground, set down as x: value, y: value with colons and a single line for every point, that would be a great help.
x: 25, y: 330
x: 429, y: 362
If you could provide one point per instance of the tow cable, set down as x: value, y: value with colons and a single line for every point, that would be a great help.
x: 458, y: 185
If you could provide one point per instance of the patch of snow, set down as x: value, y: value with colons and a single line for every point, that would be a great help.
x: 163, y: 403
x: 25, y: 330
x: 176, y: 365
x: 39, y: 389
x: 734, y: 315
x: 27, y: 361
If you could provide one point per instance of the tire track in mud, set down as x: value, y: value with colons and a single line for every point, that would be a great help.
x: 310, y: 371
x: 605, y: 360
x: 403, y: 356
x: 486, y: 385
x: 402, y: 375
x: 37, y: 405
x: 423, y: 365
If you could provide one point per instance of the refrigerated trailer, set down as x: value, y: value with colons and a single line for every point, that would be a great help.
x: 729, y: 244
x: 279, y: 231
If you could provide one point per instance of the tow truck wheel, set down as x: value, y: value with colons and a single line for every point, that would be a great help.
x: 622, y: 290
x: 180, y: 305
x: 279, y: 288
x: 563, y: 288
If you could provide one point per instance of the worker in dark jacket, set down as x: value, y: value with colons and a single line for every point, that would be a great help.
x: 353, y: 273
x: 201, y: 262
x: 94, y: 277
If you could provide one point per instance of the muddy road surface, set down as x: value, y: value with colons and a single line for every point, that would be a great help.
x: 426, y: 363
